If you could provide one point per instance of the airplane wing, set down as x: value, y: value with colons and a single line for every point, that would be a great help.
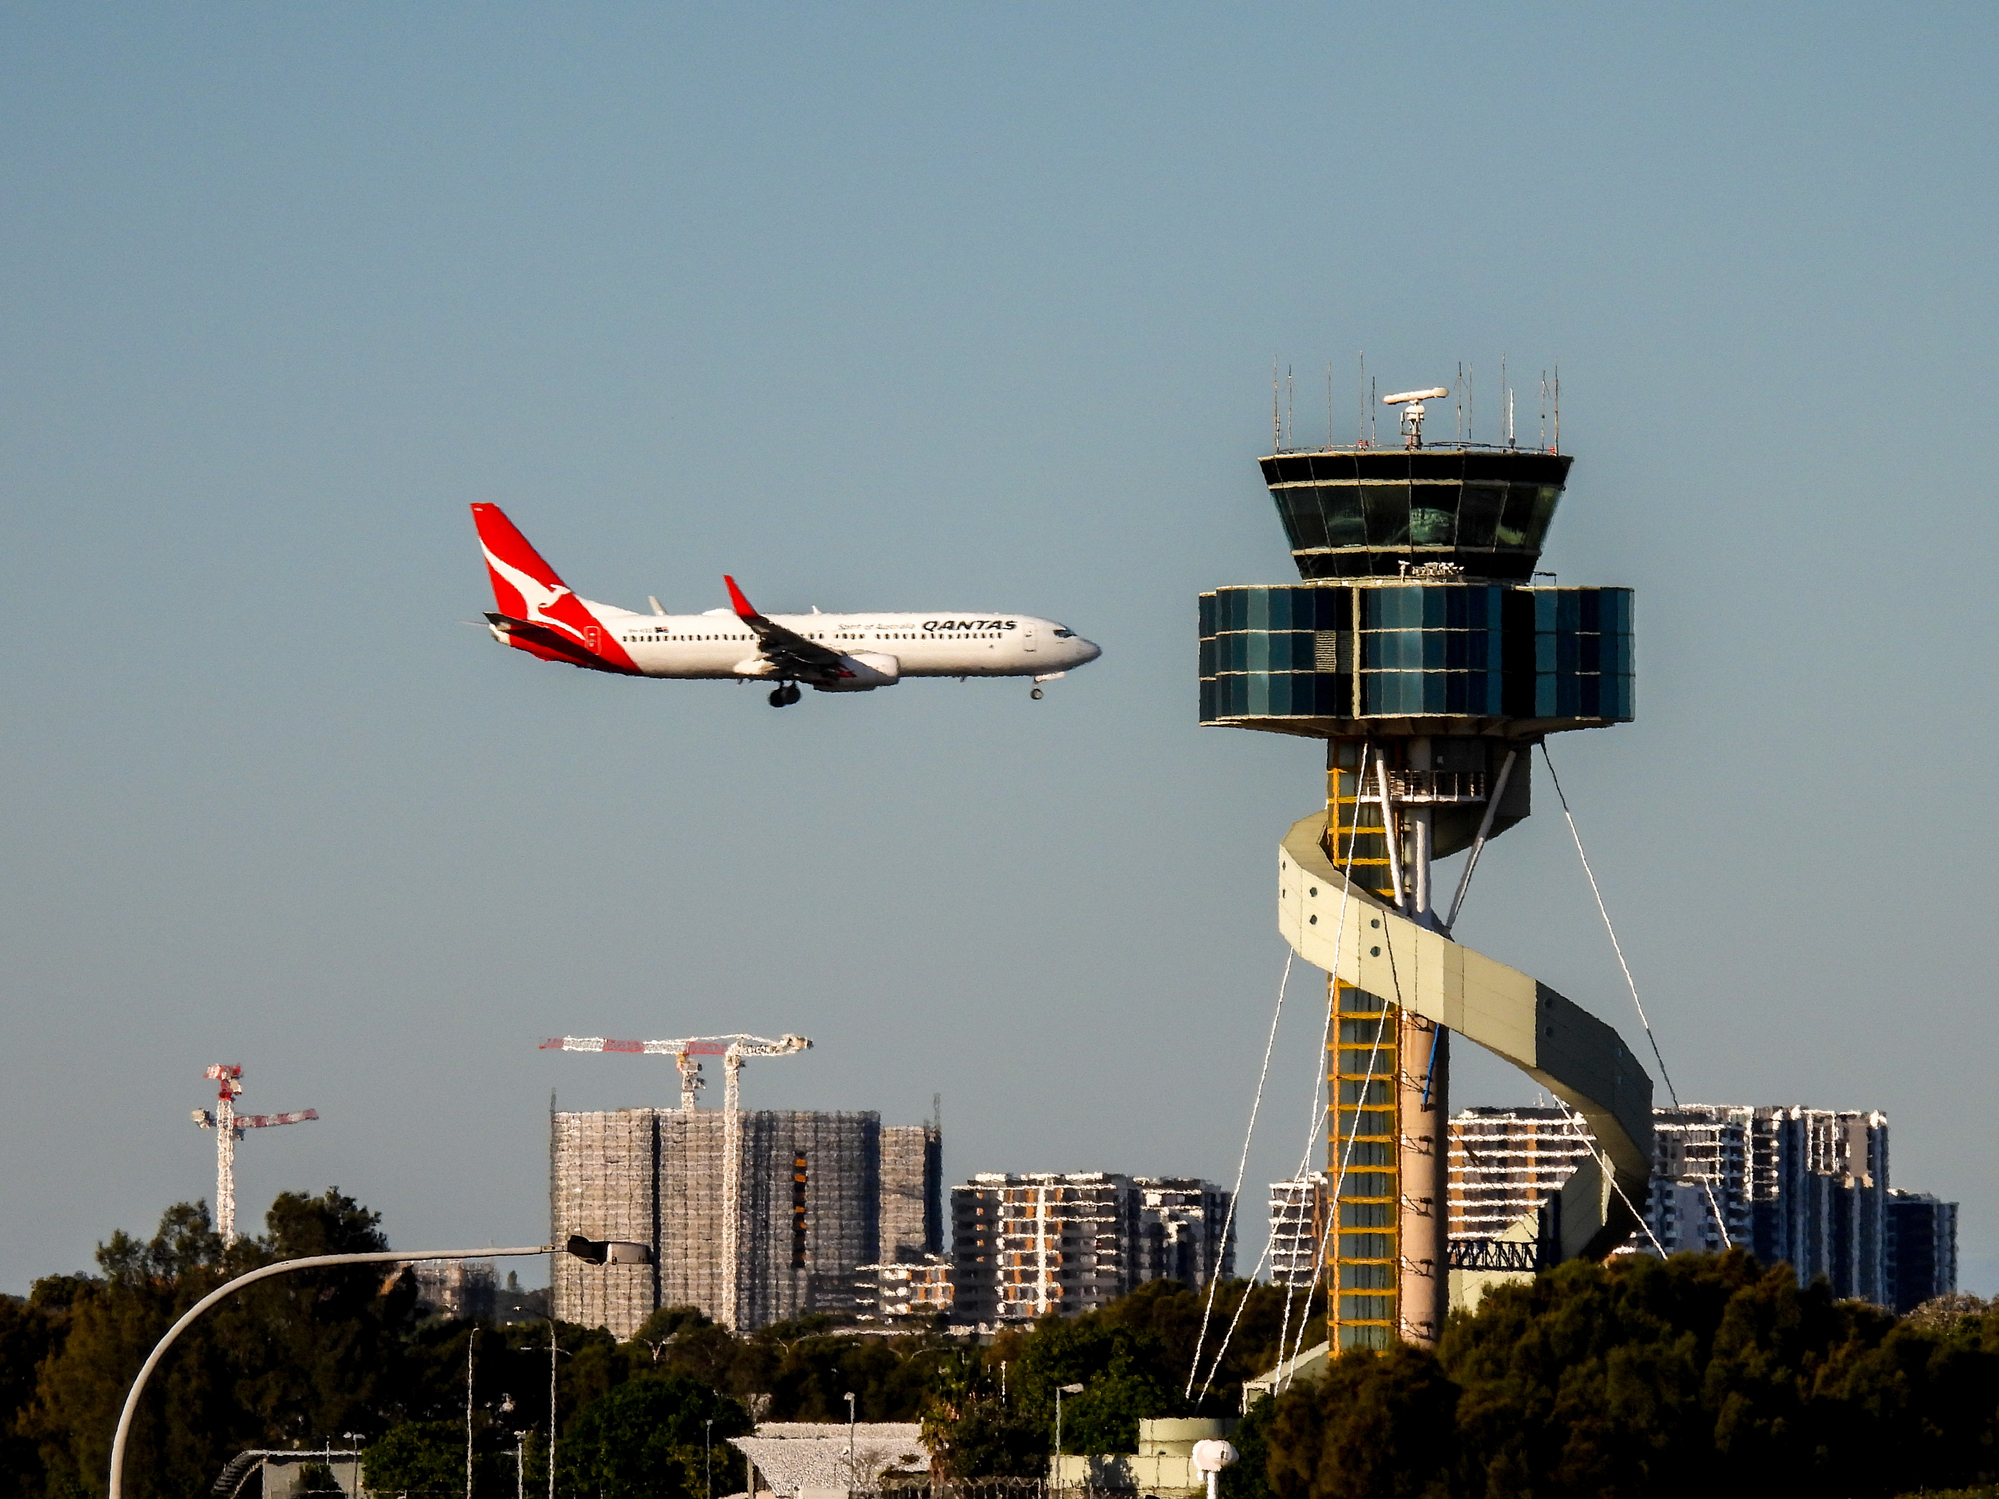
x: 790, y: 652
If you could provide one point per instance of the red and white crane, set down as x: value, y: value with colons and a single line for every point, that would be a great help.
x: 733, y: 1050
x: 229, y: 1126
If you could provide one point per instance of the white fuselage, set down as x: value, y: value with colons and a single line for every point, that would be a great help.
x: 718, y: 644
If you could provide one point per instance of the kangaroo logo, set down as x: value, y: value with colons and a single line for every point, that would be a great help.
x: 537, y: 597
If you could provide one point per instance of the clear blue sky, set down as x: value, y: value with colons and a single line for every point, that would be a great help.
x: 954, y: 307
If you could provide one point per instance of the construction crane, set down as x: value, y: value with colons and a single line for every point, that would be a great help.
x: 734, y: 1051
x: 229, y: 1126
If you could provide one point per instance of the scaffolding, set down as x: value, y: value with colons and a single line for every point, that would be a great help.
x: 912, y: 1192
x: 810, y: 1209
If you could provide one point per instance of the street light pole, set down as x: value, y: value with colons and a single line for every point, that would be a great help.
x: 1060, y: 1391
x: 708, y: 1455
x: 471, y: 1343
x: 850, y: 1444
x: 598, y: 1253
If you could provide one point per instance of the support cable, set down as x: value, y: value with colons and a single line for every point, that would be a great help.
x: 1339, y: 937
x: 1242, y: 1166
x: 1617, y: 947
x: 1604, y: 1166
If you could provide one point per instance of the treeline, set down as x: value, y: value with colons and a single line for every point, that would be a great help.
x: 308, y: 1358
x: 1702, y: 1374
x: 1705, y: 1374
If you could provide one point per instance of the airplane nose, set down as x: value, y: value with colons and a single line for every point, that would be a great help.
x: 1091, y: 650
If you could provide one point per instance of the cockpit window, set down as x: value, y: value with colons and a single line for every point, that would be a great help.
x: 1062, y: 634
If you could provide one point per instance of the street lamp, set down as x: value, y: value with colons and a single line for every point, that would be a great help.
x: 850, y: 1444
x: 708, y: 1455
x: 1060, y: 1391
x: 597, y: 1252
x: 1210, y: 1457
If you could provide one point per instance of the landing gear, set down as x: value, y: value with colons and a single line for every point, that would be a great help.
x: 1035, y: 694
x: 785, y: 696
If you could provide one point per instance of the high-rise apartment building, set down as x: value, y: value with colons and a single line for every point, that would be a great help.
x: 1183, y: 1230
x: 1027, y: 1245
x: 1922, y: 1249
x: 1298, y: 1229
x: 1505, y: 1163
x: 1808, y: 1187
x: 905, y: 1289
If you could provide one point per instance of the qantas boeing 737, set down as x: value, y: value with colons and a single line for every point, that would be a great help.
x: 538, y: 614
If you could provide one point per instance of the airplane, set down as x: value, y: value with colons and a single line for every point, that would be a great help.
x: 537, y: 613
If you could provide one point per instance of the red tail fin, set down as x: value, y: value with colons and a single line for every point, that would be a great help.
x: 527, y: 591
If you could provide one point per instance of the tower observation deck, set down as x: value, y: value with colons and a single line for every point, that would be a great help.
x: 1419, y: 645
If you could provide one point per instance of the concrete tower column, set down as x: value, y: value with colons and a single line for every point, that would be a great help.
x: 1422, y: 1108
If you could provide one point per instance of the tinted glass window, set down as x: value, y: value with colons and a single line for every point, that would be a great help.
x: 1517, y: 517
x: 1299, y: 508
x: 1386, y: 507
x: 1432, y: 514
x: 1545, y: 499
x: 1340, y: 505
x: 1478, y: 514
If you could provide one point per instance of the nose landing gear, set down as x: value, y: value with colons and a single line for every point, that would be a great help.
x: 785, y: 696
x: 1035, y: 694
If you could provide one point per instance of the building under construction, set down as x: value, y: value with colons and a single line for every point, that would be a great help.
x: 817, y: 1195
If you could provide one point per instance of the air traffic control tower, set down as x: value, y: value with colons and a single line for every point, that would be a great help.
x: 1420, y: 647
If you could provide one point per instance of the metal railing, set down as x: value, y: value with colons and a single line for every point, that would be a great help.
x: 1432, y: 786
x: 1496, y: 1254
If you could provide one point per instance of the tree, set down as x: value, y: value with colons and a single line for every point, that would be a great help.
x: 31, y: 1332
x: 416, y: 1457
x: 287, y: 1360
x: 1700, y: 1373
x: 645, y: 1440
x: 1376, y: 1426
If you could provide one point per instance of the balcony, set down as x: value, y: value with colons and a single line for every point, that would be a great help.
x: 1437, y: 787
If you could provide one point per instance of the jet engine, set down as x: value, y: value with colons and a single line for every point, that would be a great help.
x: 868, y: 671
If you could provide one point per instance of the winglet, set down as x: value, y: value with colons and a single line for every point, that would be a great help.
x: 742, y: 606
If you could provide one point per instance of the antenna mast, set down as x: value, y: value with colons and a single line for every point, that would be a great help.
x: 1360, y: 403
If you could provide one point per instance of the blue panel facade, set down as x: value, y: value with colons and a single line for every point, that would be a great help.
x: 1416, y: 650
